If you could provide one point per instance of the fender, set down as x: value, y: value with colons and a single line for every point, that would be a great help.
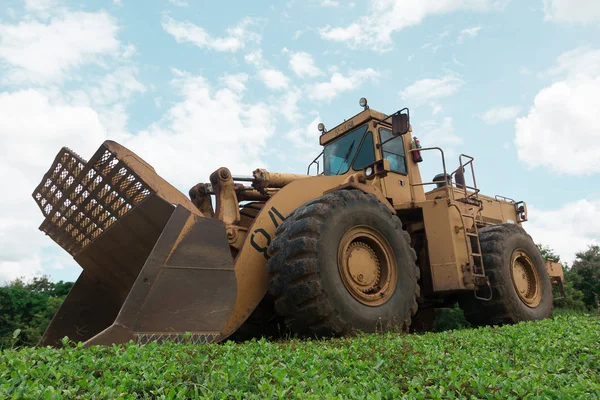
x: 359, y: 181
x: 251, y: 262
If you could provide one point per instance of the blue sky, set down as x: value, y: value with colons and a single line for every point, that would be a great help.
x: 195, y: 85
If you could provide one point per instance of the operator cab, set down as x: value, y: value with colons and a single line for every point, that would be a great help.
x: 355, y: 149
x: 361, y: 141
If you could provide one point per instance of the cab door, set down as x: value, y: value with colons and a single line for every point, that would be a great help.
x: 396, y: 185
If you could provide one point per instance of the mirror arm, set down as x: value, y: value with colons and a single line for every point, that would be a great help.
x: 379, y: 121
x: 389, y: 116
x: 379, y: 145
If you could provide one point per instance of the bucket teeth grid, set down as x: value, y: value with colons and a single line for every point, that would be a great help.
x: 80, y: 199
x: 195, y: 338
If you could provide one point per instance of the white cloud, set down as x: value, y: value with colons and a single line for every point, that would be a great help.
x: 179, y: 3
x: 432, y: 47
x: 339, y: 83
x: 235, y: 82
x: 128, y: 51
x: 305, y: 140
x: 117, y: 85
x: 330, y: 3
x: 273, y: 79
x: 568, y: 229
x: 455, y: 61
x: 439, y: 133
x: 289, y: 104
x: 35, y: 124
x: 469, y: 32
x: 110, y: 98
x: 524, y: 71
x: 568, y: 108
x: 255, y: 58
x: 500, y: 114
x: 40, y: 5
x: 236, y: 38
x: 385, y: 17
x: 31, y: 124
x: 303, y: 65
x: 307, y: 137
x: 171, y: 144
x: 425, y: 90
x: 32, y: 51
x: 580, y: 62
x: 583, y: 11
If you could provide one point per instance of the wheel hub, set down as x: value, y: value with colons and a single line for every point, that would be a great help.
x: 363, y: 266
x: 367, y: 265
x: 526, y: 279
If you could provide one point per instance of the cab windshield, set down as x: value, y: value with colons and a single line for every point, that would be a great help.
x: 353, y: 149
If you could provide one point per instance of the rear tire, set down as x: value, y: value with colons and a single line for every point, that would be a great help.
x: 521, y: 287
x: 375, y: 289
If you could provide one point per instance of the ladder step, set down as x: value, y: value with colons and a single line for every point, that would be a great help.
x: 472, y: 234
x: 476, y: 254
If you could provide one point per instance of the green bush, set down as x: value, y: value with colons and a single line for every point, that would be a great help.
x: 557, y: 358
x: 573, y: 299
x: 450, y: 318
x: 28, y: 307
x: 585, y: 275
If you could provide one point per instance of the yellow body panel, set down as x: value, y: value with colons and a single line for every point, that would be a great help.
x: 448, y: 255
x: 251, y: 261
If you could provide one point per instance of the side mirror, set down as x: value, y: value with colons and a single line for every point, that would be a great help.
x: 400, y: 122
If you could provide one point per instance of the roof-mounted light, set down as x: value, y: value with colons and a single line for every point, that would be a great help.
x: 321, y: 127
x: 363, y: 103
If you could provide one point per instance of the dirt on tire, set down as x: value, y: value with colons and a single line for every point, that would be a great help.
x: 304, y: 277
x: 498, y: 243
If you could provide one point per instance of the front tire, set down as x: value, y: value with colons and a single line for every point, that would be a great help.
x: 342, y: 263
x: 521, y: 287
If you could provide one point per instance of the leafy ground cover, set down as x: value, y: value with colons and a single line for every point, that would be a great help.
x: 557, y: 358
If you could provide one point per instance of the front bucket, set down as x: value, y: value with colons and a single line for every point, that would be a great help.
x: 154, y: 267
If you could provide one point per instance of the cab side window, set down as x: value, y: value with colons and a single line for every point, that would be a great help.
x: 393, y: 151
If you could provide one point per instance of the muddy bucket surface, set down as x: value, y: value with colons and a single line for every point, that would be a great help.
x: 153, y: 266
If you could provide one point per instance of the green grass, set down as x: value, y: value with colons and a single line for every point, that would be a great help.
x: 557, y: 358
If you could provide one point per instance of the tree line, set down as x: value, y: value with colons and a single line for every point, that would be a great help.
x: 582, y: 278
x: 26, y: 309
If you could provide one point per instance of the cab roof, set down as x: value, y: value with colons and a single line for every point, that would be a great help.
x: 353, y: 122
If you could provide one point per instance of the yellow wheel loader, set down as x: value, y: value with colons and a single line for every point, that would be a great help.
x: 364, y: 245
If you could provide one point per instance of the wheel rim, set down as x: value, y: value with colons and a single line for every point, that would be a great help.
x: 526, y: 279
x: 367, y: 266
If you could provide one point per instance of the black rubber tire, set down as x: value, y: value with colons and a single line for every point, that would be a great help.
x: 263, y: 322
x: 306, y: 284
x: 498, y: 243
x: 423, y: 321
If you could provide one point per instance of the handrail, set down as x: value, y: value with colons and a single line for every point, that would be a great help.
x: 446, y: 186
x: 504, y: 198
x: 464, y: 186
x: 450, y: 184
